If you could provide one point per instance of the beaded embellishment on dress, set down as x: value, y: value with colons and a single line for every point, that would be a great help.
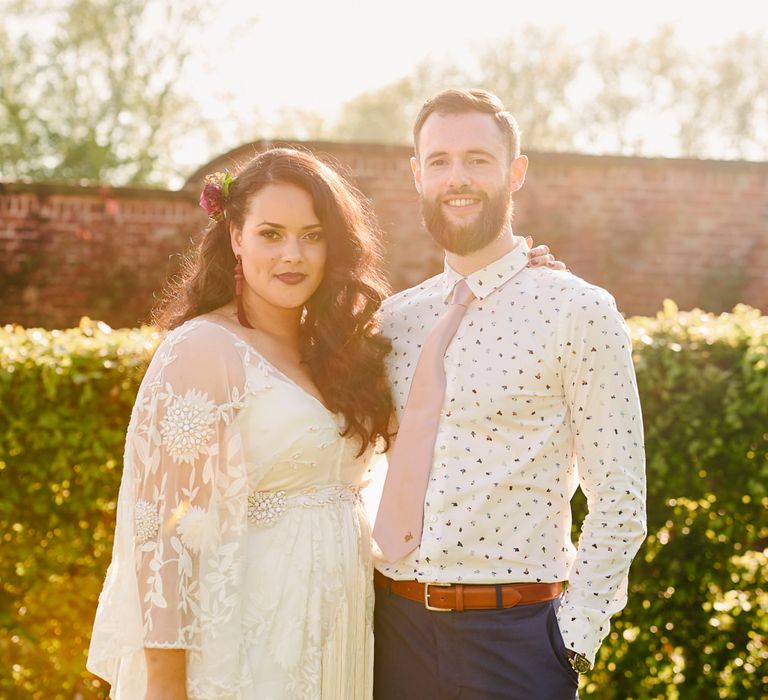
x: 265, y: 508
x: 146, y: 521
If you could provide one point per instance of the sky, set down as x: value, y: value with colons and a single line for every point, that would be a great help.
x: 266, y: 58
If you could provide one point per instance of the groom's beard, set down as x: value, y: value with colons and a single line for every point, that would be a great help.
x: 463, y: 239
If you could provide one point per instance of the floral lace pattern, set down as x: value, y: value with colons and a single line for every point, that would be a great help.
x: 207, y: 455
x: 196, y: 529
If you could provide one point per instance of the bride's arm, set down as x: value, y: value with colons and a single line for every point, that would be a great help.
x: 166, y: 674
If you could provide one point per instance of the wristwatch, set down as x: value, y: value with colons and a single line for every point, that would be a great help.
x: 579, y: 662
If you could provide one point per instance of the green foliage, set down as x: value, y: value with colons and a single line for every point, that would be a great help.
x: 89, y: 88
x: 386, y: 115
x: 65, y: 400
x: 697, y: 619
x: 597, y: 96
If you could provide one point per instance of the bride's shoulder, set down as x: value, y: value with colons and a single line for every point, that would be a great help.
x: 199, y: 355
x: 204, y: 341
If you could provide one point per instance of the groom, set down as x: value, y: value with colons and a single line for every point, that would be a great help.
x: 513, y: 385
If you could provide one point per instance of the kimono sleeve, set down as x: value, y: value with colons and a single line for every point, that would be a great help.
x: 182, y: 510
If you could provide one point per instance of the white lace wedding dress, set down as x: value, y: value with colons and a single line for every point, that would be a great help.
x: 240, y: 533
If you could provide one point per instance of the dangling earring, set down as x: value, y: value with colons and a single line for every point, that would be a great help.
x: 241, y: 317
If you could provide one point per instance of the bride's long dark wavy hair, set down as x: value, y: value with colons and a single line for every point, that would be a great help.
x: 340, y: 338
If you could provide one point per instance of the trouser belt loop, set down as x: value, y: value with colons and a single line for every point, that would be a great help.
x: 499, y: 598
x: 459, y: 597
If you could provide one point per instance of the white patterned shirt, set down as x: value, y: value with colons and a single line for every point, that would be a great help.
x: 541, y: 396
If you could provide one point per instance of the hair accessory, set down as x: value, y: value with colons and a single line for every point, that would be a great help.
x: 213, y: 198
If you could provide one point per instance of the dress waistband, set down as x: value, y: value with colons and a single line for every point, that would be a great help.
x: 265, y: 508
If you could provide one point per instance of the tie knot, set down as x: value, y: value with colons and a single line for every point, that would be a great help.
x: 462, y: 294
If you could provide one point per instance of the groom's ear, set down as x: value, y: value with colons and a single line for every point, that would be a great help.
x: 416, y: 170
x: 517, y: 170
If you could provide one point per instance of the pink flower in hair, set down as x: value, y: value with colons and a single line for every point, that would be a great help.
x: 213, y: 198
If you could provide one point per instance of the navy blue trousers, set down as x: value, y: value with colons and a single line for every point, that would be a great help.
x: 512, y: 654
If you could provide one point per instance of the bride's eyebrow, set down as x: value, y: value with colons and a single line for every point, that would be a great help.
x: 280, y: 226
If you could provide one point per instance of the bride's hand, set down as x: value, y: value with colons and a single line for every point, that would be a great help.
x: 540, y: 255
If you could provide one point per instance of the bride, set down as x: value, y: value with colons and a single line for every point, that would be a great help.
x: 241, y: 566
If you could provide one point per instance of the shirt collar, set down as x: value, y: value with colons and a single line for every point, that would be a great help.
x: 487, y: 280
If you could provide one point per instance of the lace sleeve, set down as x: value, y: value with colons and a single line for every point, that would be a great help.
x: 182, y: 509
x: 188, y: 477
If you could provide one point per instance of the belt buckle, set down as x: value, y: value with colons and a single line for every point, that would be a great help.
x: 426, y: 596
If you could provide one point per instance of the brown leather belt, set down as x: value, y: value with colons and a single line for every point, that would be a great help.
x: 444, y: 597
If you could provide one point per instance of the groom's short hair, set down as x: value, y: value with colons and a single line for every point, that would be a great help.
x: 455, y: 101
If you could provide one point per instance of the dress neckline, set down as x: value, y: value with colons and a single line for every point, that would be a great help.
x: 280, y: 374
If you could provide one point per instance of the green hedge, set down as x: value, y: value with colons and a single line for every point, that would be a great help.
x: 696, y: 624
x: 65, y: 401
x: 697, y: 619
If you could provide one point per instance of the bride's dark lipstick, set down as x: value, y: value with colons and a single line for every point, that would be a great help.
x: 291, y: 277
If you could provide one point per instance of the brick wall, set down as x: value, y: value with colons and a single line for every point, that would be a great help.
x: 645, y: 229
x: 649, y: 229
x: 68, y: 251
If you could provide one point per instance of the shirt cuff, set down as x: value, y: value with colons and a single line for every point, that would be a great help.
x: 583, y: 629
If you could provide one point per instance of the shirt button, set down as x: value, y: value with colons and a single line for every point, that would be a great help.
x: 433, y: 518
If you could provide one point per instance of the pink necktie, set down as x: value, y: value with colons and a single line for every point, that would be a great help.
x: 400, y: 518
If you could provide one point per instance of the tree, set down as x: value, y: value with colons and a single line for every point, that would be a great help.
x: 642, y: 97
x: 534, y: 74
x: 636, y: 88
x: 88, y: 88
x: 386, y: 115
x: 728, y: 116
